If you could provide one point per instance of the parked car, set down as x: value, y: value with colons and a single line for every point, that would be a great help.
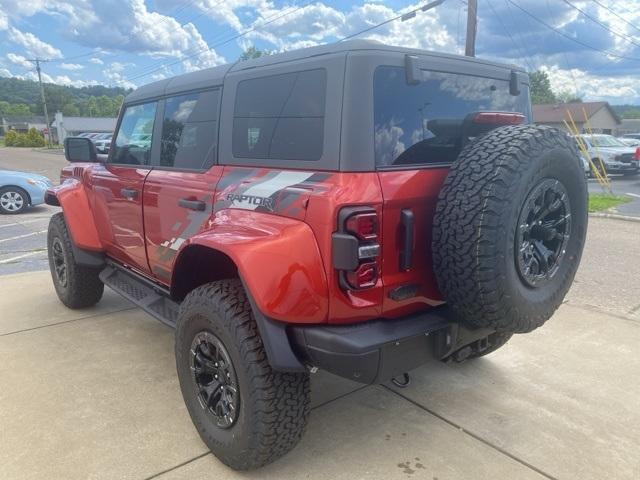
x: 102, y: 142
x: 630, y: 141
x: 632, y: 135
x: 20, y: 190
x: 615, y: 155
x: 316, y: 209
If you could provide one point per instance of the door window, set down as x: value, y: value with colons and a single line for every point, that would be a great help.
x: 189, y: 131
x: 133, y: 142
x: 281, y: 116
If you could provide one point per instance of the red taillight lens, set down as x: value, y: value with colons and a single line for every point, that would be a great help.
x: 365, y: 276
x: 499, y: 118
x: 363, y: 225
x: 638, y: 153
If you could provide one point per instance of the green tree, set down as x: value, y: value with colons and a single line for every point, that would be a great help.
x: 71, y: 110
x: 540, y: 88
x: 14, y: 109
x: 34, y: 138
x: 253, y: 52
x: 633, y: 113
x: 566, y: 97
x: 11, y: 138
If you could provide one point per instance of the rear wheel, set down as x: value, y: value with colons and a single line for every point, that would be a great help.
x: 509, y: 228
x: 77, y: 286
x: 248, y: 414
x: 13, y: 200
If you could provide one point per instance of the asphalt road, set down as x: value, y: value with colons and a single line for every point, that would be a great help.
x: 622, y: 185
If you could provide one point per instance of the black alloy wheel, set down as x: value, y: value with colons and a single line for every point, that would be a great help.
x: 215, y: 379
x: 544, y: 228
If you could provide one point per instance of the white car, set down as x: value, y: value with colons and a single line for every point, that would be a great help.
x: 630, y: 142
x: 616, y: 156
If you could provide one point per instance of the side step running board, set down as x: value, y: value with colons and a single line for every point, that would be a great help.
x: 152, y: 298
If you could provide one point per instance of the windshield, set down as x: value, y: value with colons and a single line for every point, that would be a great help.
x: 605, y: 141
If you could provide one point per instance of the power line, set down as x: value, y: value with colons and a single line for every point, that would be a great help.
x: 405, y: 16
x: 518, y: 34
x: 595, y: 20
x: 154, y: 66
x: 504, y: 27
x: 566, y: 60
x: 621, y: 18
x: 560, y: 32
x: 235, y: 37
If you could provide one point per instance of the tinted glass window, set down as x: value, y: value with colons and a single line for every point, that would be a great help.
x: 429, y: 123
x: 280, y: 117
x: 133, y: 143
x: 189, y: 130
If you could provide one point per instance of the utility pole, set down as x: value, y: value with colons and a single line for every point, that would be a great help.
x: 472, y: 21
x: 44, y: 101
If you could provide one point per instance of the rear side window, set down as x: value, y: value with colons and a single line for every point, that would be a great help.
x: 429, y: 123
x: 133, y: 143
x: 189, y: 131
x: 281, y: 116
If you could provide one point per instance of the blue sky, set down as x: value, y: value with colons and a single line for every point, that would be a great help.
x: 594, y: 53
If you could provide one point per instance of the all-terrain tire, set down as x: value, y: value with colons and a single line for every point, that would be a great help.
x: 476, y: 227
x: 77, y: 286
x: 273, y: 406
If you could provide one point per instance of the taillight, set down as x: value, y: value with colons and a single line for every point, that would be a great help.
x: 499, y: 118
x: 637, y: 153
x: 363, y: 225
x: 356, y: 248
x: 365, y: 276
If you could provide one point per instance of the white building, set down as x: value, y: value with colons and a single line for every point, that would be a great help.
x: 72, y: 126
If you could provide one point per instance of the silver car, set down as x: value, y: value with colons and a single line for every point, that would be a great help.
x: 616, y: 156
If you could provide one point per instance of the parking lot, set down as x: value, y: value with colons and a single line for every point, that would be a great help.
x: 94, y: 394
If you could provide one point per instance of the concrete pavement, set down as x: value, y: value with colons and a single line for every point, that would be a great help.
x: 94, y: 394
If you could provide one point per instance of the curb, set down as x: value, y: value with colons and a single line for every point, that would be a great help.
x: 615, y: 216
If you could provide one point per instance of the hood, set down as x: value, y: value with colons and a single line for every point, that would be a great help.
x: 617, y: 150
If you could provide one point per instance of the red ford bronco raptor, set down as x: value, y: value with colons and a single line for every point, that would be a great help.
x: 355, y: 207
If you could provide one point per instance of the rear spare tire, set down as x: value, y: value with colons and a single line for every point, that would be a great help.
x: 509, y: 227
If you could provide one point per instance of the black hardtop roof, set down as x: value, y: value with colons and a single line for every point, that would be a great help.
x: 210, y: 77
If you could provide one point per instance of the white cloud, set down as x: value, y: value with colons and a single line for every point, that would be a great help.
x: 114, y: 75
x: 5, y: 73
x: 71, y: 66
x: 19, y: 60
x: 619, y: 89
x: 96, y: 61
x: 33, y: 44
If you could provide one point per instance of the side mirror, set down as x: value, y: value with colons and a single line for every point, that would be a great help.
x: 79, y: 149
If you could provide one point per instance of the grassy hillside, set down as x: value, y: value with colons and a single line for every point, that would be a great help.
x: 19, y: 97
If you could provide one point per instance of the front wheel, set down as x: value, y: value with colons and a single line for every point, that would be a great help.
x: 246, y: 413
x: 13, y: 200
x: 77, y: 286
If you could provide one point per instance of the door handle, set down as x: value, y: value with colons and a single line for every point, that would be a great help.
x: 129, y: 193
x: 406, y: 255
x: 197, y: 205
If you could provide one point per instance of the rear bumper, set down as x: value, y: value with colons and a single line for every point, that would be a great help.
x: 378, y: 350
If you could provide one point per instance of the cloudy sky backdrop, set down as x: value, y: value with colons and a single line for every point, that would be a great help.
x: 590, y: 48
